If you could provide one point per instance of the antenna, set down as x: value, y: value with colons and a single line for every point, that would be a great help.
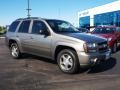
x: 28, y: 9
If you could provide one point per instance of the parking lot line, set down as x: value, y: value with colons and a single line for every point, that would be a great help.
x: 2, y: 37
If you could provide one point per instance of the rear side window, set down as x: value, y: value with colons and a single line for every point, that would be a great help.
x: 24, y: 27
x: 13, y: 26
x: 37, y: 26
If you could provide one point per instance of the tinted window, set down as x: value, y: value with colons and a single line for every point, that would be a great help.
x: 13, y: 26
x: 24, y: 27
x: 84, y: 22
x: 104, y: 30
x: 37, y: 26
x: 109, y: 18
x: 118, y: 29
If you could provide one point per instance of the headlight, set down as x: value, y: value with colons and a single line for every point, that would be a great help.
x: 90, y: 47
x: 109, y: 39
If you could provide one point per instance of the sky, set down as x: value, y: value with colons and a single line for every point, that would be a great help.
x: 67, y: 10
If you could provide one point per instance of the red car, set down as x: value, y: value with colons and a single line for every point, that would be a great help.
x: 111, y: 33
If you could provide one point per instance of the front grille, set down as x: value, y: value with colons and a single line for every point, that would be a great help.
x: 102, y: 47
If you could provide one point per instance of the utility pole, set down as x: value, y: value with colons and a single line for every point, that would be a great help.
x: 28, y: 9
x: 59, y: 13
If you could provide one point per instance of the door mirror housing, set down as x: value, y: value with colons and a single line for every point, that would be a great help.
x: 41, y: 32
x: 44, y: 32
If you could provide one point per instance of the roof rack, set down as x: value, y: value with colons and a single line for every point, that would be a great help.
x: 29, y: 18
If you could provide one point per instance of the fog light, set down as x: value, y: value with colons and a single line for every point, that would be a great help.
x: 94, y: 60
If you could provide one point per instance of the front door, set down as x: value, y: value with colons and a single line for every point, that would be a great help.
x: 40, y: 43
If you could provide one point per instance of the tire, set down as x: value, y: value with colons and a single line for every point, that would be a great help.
x: 68, y: 61
x: 15, y: 51
x: 114, y: 48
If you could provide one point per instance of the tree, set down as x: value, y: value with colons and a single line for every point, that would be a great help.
x: 0, y: 28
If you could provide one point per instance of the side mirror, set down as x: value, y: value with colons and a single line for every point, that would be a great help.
x: 44, y: 32
x: 41, y: 31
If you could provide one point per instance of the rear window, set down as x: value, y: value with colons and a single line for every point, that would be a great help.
x: 24, y: 27
x: 13, y: 26
x: 104, y: 30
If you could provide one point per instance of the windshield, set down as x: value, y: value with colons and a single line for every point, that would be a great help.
x: 103, y: 31
x: 60, y: 26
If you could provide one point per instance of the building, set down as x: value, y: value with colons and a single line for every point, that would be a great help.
x: 108, y: 14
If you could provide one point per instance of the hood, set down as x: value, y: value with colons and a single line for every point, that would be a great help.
x: 105, y: 35
x: 89, y: 38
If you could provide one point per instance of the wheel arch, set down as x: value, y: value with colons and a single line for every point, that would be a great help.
x: 61, y: 47
x: 15, y: 41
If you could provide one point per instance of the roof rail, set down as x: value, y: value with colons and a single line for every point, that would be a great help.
x: 19, y: 19
x: 29, y: 18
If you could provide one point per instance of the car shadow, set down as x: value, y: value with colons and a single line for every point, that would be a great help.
x: 29, y: 57
x: 104, y: 66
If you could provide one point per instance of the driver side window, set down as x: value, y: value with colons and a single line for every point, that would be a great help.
x: 37, y: 26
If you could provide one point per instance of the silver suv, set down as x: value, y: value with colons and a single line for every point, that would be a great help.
x: 57, y: 40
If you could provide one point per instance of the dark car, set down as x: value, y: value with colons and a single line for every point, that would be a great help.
x: 83, y: 30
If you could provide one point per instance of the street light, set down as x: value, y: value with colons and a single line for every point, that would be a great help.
x: 28, y: 9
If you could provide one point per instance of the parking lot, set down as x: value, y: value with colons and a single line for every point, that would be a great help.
x: 36, y: 73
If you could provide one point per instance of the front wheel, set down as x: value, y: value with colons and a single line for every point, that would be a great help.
x: 15, y: 52
x: 68, y: 61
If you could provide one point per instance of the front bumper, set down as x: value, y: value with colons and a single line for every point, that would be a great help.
x: 90, y: 59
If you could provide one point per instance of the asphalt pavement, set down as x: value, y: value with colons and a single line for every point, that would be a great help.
x: 37, y: 73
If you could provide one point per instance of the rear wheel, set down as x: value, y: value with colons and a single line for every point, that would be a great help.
x: 68, y: 61
x: 15, y: 52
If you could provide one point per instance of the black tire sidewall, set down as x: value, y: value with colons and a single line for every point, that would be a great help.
x: 73, y: 54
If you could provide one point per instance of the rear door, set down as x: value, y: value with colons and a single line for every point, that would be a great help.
x: 23, y: 35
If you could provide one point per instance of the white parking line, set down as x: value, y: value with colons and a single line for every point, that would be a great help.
x: 2, y: 37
